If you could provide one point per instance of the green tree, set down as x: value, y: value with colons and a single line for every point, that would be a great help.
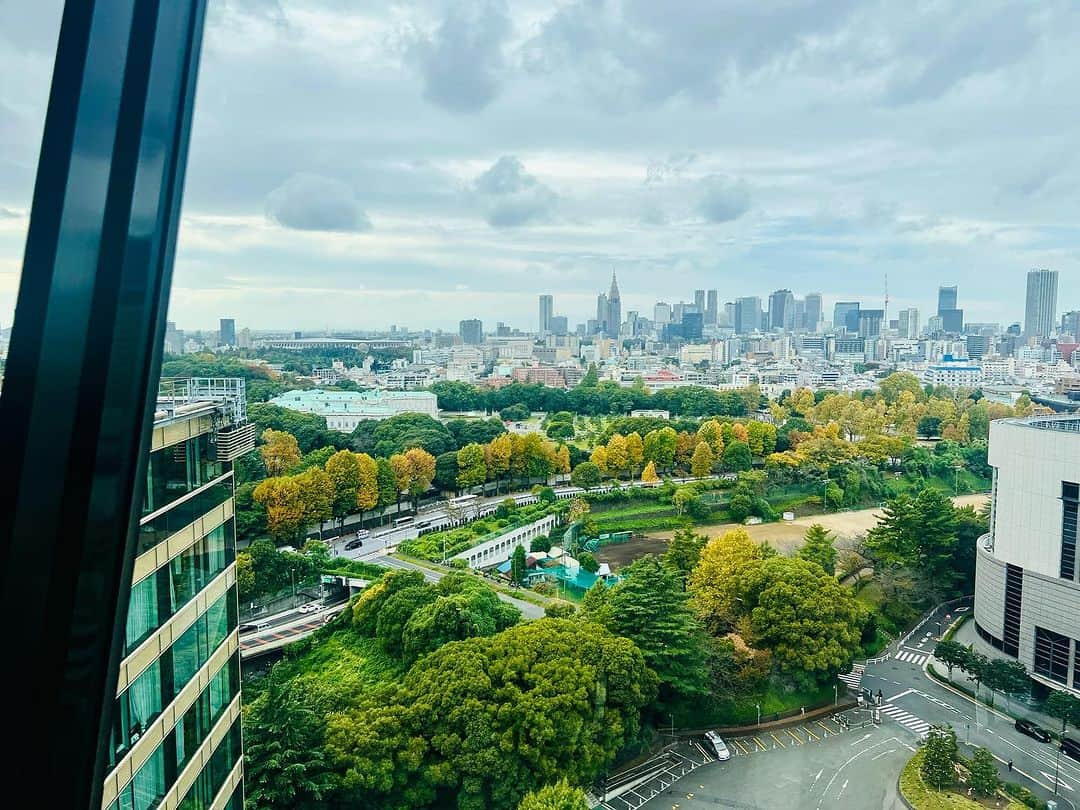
x: 650, y: 607
x: 446, y: 472
x: 518, y: 412
x: 370, y: 603
x: 285, y: 760
x: 939, y: 754
x: 984, y: 774
x: 245, y: 577
x: 701, y: 463
x: 395, y: 614
x: 952, y: 654
x: 344, y: 470
x: 684, y: 552
x: 659, y: 447
x: 818, y: 547
x: 586, y: 475
x: 737, y: 457
x: 480, y: 723
x: 929, y: 426
x: 919, y: 533
x: 1064, y: 707
x: 472, y: 469
x: 897, y: 383
x: 517, y: 564
x: 588, y: 562
x: 465, y: 608
x: 385, y: 482
x: 560, y: 796
x: 1009, y: 677
x: 596, y: 604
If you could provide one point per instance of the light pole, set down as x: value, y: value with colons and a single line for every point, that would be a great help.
x: 671, y: 717
x: 758, y: 713
x: 835, y: 694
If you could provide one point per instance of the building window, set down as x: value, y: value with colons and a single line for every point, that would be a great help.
x: 1052, y: 655
x: 1014, y: 597
x: 1069, y: 500
x: 181, y: 468
x: 155, y: 529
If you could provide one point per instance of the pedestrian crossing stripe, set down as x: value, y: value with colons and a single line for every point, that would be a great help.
x: 906, y: 719
x: 912, y: 658
x: 853, y: 678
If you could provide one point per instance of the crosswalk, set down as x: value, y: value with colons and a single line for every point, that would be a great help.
x: 854, y: 678
x: 906, y: 719
x: 918, y: 659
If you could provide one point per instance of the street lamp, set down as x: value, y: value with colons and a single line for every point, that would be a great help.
x: 758, y: 713
x: 835, y: 694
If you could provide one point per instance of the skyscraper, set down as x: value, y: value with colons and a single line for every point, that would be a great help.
x: 870, y: 322
x: 1039, y: 313
x: 601, y: 312
x: 614, y: 313
x: 782, y: 310
x: 747, y: 314
x: 909, y: 323
x: 227, y: 332
x: 813, y: 311
x: 699, y: 300
x: 946, y: 299
x: 1070, y: 323
x: 661, y: 313
x: 471, y: 331
x: 711, y: 309
x: 846, y: 316
x: 547, y: 309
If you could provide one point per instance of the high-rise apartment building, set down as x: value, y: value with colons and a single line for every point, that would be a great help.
x: 559, y: 325
x: 226, y: 332
x: 711, y: 308
x: 661, y: 313
x: 1041, y: 306
x: 813, y: 311
x: 846, y: 316
x: 175, y: 740
x: 729, y: 314
x: 782, y: 310
x: 1070, y: 324
x: 908, y: 325
x: 547, y: 311
x: 1027, y: 575
x: 471, y: 331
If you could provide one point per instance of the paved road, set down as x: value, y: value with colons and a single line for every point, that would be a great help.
x: 913, y: 701
x: 528, y: 609
x: 284, y: 628
x: 812, y: 766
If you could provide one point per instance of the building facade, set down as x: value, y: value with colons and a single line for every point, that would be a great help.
x: 344, y: 410
x: 471, y: 331
x: 176, y: 740
x: 1041, y: 305
x: 1027, y: 593
x: 547, y: 311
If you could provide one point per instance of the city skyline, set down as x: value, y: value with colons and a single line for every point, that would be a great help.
x: 525, y: 167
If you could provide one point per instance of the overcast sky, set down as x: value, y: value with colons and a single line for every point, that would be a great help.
x: 358, y: 163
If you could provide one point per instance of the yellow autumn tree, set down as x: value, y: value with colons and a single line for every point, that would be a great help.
x: 284, y: 504
x: 599, y: 457
x: 279, y: 451
x: 648, y: 475
x: 702, y: 462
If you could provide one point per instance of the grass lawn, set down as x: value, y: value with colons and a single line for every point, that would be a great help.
x: 743, y: 710
x: 923, y: 797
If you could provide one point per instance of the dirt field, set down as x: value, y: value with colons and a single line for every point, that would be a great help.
x: 784, y: 537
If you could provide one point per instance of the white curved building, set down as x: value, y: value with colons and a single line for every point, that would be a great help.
x: 1027, y: 575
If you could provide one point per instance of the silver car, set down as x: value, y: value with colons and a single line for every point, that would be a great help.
x: 718, y: 745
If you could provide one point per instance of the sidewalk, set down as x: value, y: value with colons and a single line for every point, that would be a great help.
x: 968, y: 636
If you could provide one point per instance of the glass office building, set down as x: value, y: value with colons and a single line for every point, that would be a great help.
x: 176, y: 739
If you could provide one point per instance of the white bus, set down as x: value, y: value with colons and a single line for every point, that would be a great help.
x: 403, y: 521
x: 464, y: 500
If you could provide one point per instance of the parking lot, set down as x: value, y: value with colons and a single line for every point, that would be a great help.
x: 669, y: 773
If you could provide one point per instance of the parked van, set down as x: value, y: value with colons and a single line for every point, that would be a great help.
x: 1070, y: 747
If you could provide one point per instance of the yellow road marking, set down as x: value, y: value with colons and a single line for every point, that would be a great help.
x: 825, y: 727
x: 810, y: 734
x: 741, y: 747
x: 759, y: 742
x: 776, y: 740
x: 798, y: 740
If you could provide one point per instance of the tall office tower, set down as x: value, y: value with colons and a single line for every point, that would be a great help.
x: 661, y: 313
x: 547, y: 310
x: 814, y: 311
x: 175, y: 740
x: 559, y: 325
x: 800, y: 313
x: 729, y: 313
x: 174, y: 338
x: 471, y: 331
x: 614, y: 311
x: 711, y: 310
x: 1070, y: 324
x: 1039, y: 313
x: 870, y: 322
x: 952, y: 321
x: 946, y: 299
x: 782, y: 310
x: 699, y: 300
x: 601, y: 312
x: 747, y: 314
x: 226, y: 332
x: 909, y: 323
x: 691, y: 325
x: 846, y: 316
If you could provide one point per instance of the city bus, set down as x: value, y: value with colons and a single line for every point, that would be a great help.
x: 403, y: 521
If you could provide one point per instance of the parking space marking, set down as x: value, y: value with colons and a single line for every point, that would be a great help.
x: 798, y: 740
x: 810, y: 734
x: 760, y: 744
x: 826, y: 729
x: 776, y: 739
x: 742, y: 748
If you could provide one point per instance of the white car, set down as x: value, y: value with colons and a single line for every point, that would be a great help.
x: 718, y: 745
x: 310, y: 607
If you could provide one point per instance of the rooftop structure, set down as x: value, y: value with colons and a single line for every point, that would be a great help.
x: 345, y: 409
